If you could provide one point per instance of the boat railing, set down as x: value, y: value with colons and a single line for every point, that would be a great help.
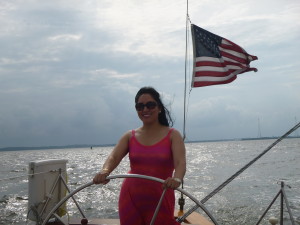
x: 283, y: 199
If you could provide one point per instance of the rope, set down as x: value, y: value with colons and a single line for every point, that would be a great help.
x: 11, y: 178
x: 185, y: 70
x: 239, y: 172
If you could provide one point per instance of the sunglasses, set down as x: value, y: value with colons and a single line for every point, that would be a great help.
x: 141, y: 106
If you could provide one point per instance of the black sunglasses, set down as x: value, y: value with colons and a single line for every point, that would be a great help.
x: 141, y: 106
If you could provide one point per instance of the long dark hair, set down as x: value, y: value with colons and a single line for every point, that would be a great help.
x: 164, y: 116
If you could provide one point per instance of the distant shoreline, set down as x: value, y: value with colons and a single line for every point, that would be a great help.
x: 109, y: 145
x: 52, y: 147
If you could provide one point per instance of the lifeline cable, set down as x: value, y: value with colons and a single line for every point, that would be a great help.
x: 29, y: 174
x: 181, y: 219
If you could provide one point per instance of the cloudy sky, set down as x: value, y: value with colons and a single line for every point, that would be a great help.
x: 69, y: 69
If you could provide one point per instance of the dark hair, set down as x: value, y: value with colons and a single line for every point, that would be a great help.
x: 164, y: 116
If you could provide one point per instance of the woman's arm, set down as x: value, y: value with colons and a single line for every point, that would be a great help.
x: 179, y: 158
x: 114, y: 159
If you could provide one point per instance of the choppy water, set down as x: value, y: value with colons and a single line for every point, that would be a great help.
x: 209, y: 164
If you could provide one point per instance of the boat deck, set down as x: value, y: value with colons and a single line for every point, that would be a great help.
x: 193, y: 219
x: 106, y: 222
x: 96, y: 222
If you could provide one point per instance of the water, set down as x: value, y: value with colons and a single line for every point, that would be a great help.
x: 208, y: 165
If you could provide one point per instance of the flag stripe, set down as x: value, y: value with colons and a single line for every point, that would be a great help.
x: 230, y: 51
x: 214, y: 67
x: 228, y: 60
x: 226, y: 44
x: 214, y: 79
x: 216, y: 74
x: 216, y: 59
x: 235, y: 57
x: 204, y: 60
x: 208, y: 83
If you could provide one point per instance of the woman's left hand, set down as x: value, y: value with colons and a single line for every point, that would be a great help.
x: 172, y: 182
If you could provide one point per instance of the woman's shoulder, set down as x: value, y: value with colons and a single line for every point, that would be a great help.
x: 175, y: 133
x: 127, y: 135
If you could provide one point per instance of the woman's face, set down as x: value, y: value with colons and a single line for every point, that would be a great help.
x: 147, y: 108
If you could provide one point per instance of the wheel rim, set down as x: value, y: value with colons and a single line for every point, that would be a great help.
x: 67, y: 197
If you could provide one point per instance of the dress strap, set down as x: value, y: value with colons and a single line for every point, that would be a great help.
x: 170, y: 131
x: 133, y: 133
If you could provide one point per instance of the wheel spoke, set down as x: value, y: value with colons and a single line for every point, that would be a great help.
x: 158, y: 206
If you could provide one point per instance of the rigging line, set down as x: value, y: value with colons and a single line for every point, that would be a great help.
x: 189, y: 72
x: 185, y: 68
x: 12, y: 178
x: 32, y: 174
x: 191, y: 62
x: 239, y: 172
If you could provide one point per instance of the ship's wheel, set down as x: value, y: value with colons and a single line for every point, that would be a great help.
x: 84, y: 221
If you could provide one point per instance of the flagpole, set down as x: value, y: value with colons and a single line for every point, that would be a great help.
x: 185, y: 73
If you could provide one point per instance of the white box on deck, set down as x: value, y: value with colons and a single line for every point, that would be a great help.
x: 45, y: 174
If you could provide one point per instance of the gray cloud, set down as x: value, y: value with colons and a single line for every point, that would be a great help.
x: 69, y: 70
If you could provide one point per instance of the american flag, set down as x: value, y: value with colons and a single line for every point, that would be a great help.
x: 216, y: 59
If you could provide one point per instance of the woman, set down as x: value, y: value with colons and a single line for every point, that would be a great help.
x: 155, y: 150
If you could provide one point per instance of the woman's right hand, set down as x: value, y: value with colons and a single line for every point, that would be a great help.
x: 100, y: 178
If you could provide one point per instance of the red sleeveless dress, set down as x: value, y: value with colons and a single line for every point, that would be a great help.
x: 139, y: 197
